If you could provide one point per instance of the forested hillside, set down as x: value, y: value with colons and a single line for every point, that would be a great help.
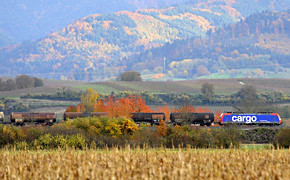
x: 99, y: 47
x: 31, y: 19
x: 255, y: 47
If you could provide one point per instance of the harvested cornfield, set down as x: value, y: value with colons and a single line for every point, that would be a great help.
x: 145, y: 164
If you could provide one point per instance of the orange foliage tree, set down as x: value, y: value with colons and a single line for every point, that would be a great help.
x: 117, y: 107
x: 190, y: 108
x: 80, y: 107
x: 71, y: 109
x: 217, y: 115
x: 164, y: 109
x: 126, y: 106
x: 161, y: 128
x: 100, y: 106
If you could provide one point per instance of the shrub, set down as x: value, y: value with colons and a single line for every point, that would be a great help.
x: 259, y: 135
x: 76, y: 141
x: 282, y: 139
x: 182, y: 136
x: 127, y: 126
x: 9, y: 134
x: 227, y: 137
x: 104, y: 125
x: 146, y: 136
x: 178, y: 136
x: 47, y: 141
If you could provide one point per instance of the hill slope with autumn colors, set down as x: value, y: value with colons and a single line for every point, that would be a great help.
x: 96, y: 47
x: 255, y: 47
x: 30, y: 19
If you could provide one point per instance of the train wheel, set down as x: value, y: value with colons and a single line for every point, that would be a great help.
x: 49, y: 124
x: 208, y: 124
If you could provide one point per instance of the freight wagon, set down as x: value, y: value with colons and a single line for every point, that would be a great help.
x: 192, y: 118
x: 152, y: 118
x: 73, y: 115
x: 21, y: 118
x: 250, y: 119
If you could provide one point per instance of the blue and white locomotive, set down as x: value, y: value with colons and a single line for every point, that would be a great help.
x: 250, y: 118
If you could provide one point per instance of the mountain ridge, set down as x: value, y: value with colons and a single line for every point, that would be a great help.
x: 29, y: 19
x: 98, y: 45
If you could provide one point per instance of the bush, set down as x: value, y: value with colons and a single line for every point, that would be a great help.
x: 146, y: 136
x: 47, y: 141
x: 282, y: 139
x: 259, y: 135
x: 9, y: 134
x: 228, y: 137
x: 105, y: 132
x: 104, y: 125
x: 127, y: 126
x: 182, y: 136
x: 178, y: 136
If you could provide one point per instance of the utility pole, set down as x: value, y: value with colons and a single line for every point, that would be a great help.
x: 164, y: 59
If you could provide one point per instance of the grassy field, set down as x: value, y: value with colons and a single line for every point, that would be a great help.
x: 286, y: 122
x: 146, y: 164
x: 269, y: 74
x: 222, y: 86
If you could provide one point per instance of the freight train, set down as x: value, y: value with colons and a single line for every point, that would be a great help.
x: 262, y: 118
x: 49, y: 118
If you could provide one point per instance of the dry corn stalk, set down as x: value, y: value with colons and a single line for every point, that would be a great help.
x: 145, y: 164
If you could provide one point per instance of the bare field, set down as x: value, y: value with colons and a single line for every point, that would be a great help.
x: 145, y: 164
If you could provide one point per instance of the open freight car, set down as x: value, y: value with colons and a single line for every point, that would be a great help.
x: 73, y: 115
x: 192, y: 118
x: 152, y: 118
x: 250, y: 118
x: 21, y: 118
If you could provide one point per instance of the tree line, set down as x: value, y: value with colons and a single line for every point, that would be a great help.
x: 20, y: 82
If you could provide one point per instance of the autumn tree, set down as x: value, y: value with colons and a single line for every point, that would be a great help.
x: 161, y: 128
x: 164, y: 109
x: 71, y: 109
x: 125, y: 106
x: 207, y: 92
x: 89, y: 99
x: 127, y: 126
